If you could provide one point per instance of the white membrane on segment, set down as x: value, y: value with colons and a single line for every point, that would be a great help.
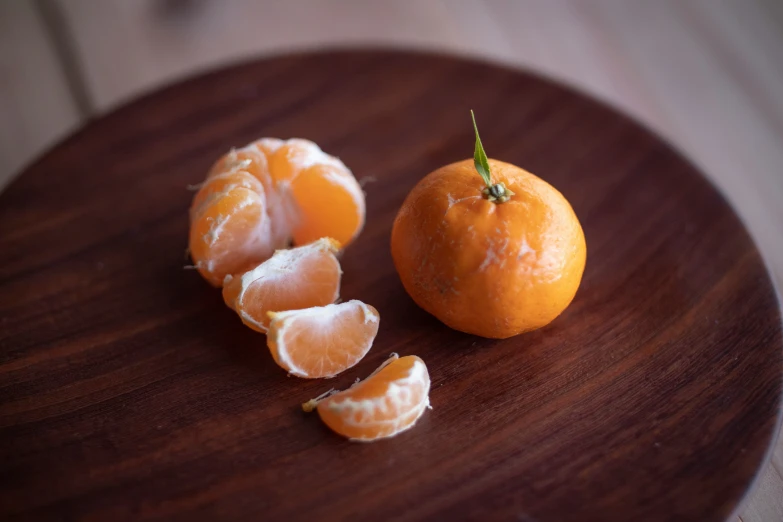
x: 247, y: 183
x: 328, y: 311
x: 258, y: 241
x: 271, y: 144
x: 279, y: 208
x: 313, y: 155
x: 213, y: 234
x: 401, y: 424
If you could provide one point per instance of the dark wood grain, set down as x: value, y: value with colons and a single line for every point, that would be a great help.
x: 128, y: 391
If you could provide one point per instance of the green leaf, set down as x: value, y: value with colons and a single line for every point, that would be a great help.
x: 480, y: 157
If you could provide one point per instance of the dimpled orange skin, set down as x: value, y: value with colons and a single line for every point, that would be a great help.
x: 484, y: 268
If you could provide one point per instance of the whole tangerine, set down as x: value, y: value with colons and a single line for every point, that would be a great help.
x: 488, y: 248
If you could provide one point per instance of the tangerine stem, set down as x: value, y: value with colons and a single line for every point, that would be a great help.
x: 480, y: 157
x: 496, y: 193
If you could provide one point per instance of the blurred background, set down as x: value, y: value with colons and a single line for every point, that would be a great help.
x: 705, y: 74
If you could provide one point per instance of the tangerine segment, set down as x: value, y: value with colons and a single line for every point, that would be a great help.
x: 268, y: 145
x: 386, y: 403
x: 322, y: 341
x: 330, y: 203
x: 252, y: 159
x: 291, y: 279
x: 230, y: 233
x: 249, y: 158
x: 216, y: 186
x: 328, y: 197
x: 296, y: 155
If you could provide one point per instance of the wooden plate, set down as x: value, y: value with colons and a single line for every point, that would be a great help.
x: 130, y: 392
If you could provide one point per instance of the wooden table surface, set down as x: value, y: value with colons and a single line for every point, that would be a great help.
x: 704, y: 73
x: 132, y: 393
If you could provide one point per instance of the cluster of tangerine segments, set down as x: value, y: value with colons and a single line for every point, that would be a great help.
x: 264, y: 196
x: 255, y: 204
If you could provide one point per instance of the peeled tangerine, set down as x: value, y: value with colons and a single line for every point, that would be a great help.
x: 322, y: 341
x: 386, y: 403
x: 259, y: 198
x: 292, y: 279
